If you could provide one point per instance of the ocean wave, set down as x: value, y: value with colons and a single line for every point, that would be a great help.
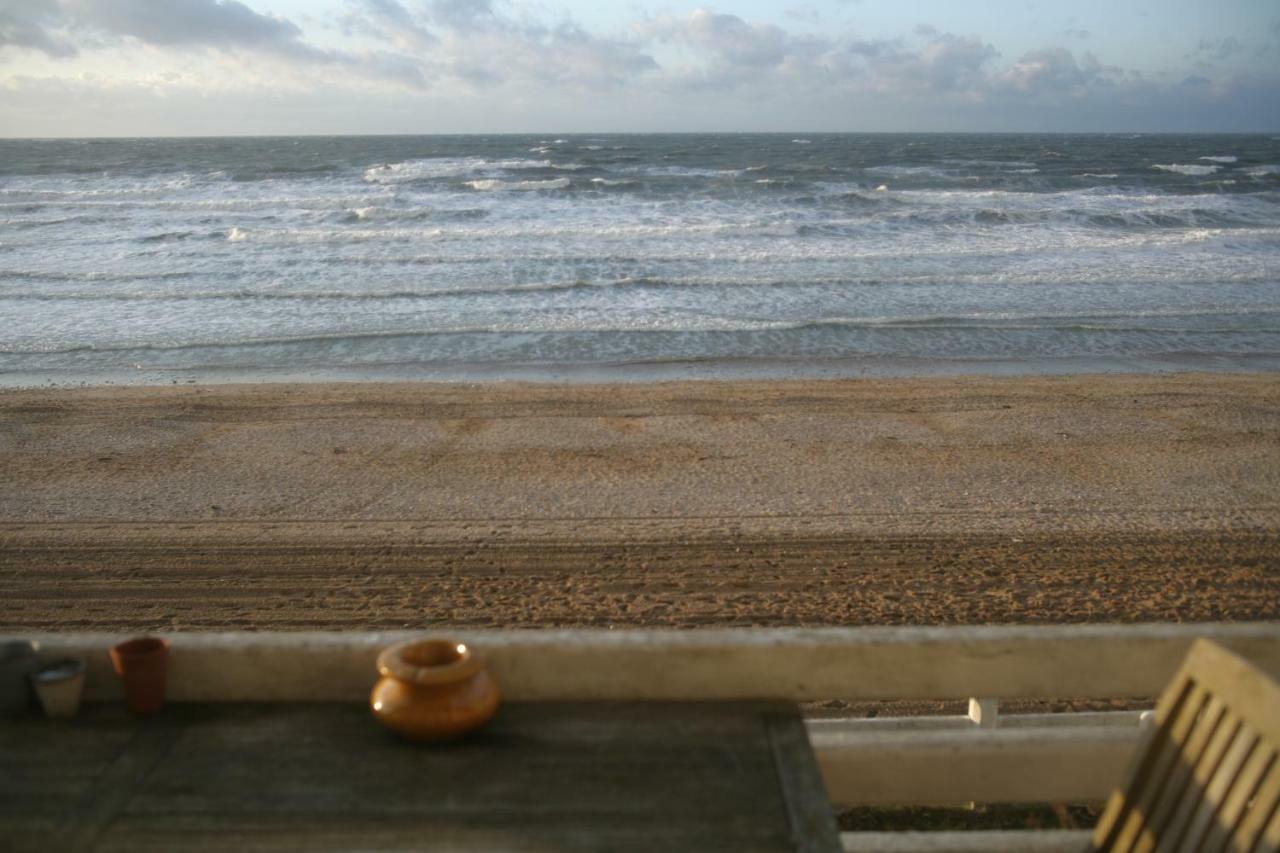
x: 433, y: 168
x: 275, y: 170
x: 912, y: 172
x: 494, y: 185
x: 165, y: 237
x: 1224, y: 158
x: 1263, y: 171
x: 1011, y: 165
x: 82, y: 219
x: 687, y: 324
x: 60, y: 276
x: 1191, y: 170
x: 377, y: 213
x: 245, y: 295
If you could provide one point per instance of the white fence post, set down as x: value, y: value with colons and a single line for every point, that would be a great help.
x: 985, y: 712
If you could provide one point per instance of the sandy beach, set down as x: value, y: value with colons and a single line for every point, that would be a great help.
x: 928, y: 501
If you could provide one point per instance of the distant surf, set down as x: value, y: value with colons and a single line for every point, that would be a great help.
x: 321, y: 254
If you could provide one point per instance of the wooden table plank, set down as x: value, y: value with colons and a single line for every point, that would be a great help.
x: 541, y: 776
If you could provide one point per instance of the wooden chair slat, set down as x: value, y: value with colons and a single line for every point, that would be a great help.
x: 1208, y: 777
x: 1270, y: 841
x: 1196, y: 791
x: 1163, y: 810
x: 1238, y: 797
x: 1206, y: 813
x: 1261, y: 811
x: 1122, y: 820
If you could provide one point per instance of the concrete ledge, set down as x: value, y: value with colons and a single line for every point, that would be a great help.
x: 1006, y: 841
x: 1085, y: 661
x: 987, y: 766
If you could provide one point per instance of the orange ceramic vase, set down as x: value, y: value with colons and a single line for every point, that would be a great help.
x: 433, y: 690
x: 143, y: 665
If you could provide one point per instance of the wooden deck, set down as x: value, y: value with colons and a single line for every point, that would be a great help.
x: 542, y: 777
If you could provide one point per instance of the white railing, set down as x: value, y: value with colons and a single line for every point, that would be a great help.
x: 984, y: 757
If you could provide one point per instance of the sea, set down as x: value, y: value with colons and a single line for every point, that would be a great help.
x: 609, y: 256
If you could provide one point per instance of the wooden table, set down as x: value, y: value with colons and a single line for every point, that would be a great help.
x: 541, y: 777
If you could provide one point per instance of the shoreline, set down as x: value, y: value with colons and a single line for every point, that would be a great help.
x: 940, y: 500
x: 652, y: 371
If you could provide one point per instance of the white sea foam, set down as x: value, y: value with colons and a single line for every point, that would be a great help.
x: 445, y: 167
x: 913, y: 172
x: 1186, y: 169
x: 379, y: 260
x: 1220, y: 159
x: 491, y: 185
x: 802, y: 141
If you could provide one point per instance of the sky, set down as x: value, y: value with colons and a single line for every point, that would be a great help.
x: 226, y: 67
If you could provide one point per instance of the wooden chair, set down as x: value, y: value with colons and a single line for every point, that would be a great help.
x: 1206, y: 776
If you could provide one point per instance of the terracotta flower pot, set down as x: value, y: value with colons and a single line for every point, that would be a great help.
x: 143, y: 665
x: 59, y: 685
x: 17, y: 660
x: 433, y: 690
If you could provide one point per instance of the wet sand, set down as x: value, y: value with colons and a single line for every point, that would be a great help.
x: 891, y: 501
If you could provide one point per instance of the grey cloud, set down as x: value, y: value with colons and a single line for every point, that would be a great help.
x: 758, y: 55
x: 473, y: 42
x: 34, y: 24
x: 464, y: 15
x: 390, y: 21
x: 60, y: 27
x: 1221, y: 48
x: 215, y: 23
x: 773, y: 72
x: 1056, y: 71
x: 564, y: 53
x: 951, y: 62
x: 1077, y: 34
x: 730, y: 39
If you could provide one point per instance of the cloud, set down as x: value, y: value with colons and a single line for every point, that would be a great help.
x: 719, y: 69
x: 465, y: 15
x: 1219, y: 49
x: 730, y: 39
x: 214, y: 23
x: 60, y: 28
x: 34, y: 25
x: 389, y: 21
x: 471, y: 41
x: 736, y: 54
x: 1056, y: 71
x: 947, y: 63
